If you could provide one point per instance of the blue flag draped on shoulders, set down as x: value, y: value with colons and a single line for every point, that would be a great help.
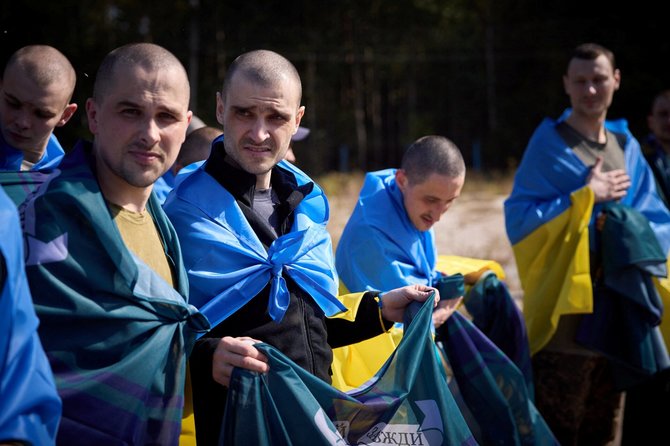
x: 379, y: 246
x: 227, y: 263
x: 11, y: 158
x: 407, y: 402
x: 116, y: 334
x: 30, y: 408
x: 381, y: 249
x: 550, y: 172
x: 550, y: 221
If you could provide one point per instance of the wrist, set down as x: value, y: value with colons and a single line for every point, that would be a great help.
x: 378, y: 299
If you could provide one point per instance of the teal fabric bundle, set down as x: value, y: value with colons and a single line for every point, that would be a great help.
x: 624, y: 325
x: 492, y: 387
x: 407, y: 402
x: 495, y: 313
x: 116, y: 334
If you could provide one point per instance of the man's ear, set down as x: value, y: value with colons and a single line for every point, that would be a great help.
x: 617, y: 79
x: 401, y: 179
x: 220, y: 108
x: 298, y: 117
x: 92, y: 115
x: 67, y: 114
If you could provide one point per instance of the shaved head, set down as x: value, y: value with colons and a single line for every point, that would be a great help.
x: 197, y: 145
x: 44, y: 65
x: 262, y: 67
x: 148, y: 56
x: 432, y: 154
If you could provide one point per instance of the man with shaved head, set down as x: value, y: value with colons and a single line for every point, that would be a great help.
x: 36, y: 90
x: 253, y: 231
x: 104, y: 263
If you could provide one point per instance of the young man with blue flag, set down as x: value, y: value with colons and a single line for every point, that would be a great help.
x: 389, y: 241
x: 36, y: 89
x: 104, y: 264
x: 253, y: 229
x: 590, y: 236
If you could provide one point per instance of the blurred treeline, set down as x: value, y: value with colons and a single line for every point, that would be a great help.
x: 376, y: 74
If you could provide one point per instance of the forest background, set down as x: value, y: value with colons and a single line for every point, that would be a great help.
x: 379, y: 74
x: 376, y: 74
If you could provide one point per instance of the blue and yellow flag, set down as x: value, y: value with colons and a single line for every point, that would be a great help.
x: 550, y: 218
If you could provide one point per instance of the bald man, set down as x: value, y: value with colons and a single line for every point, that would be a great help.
x: 104, y: 264
x: 36, y: 90
x: 253, y: 228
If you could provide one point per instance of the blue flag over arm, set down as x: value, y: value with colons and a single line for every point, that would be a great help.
x: 30, y: 408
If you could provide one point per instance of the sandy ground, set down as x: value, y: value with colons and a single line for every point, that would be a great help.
x: 473, y: 227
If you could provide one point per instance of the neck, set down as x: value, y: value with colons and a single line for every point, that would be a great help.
x: 34, y: 155
x: 263, y: 180
x: 118, y: 191
x: 591, y: 128
x: 133, y: 201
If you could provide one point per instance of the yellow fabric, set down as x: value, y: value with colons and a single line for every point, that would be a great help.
x: 351, y: 301
x: 187, y: 436
x: 663, y: 287
x: 471, y: 268
x: 355, y: 364
x: 553, y: 265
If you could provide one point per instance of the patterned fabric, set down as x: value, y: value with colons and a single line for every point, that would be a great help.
x: 494, y: 390
x: 29, y: 405
x: 407, y: 402
x: 495, y: 314
x: 116, y: 334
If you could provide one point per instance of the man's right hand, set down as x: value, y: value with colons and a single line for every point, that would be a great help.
x: 607, y: 186
x: 236, y: 352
